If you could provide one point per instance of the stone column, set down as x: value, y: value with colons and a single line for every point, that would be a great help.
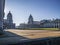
x: 2, y: 4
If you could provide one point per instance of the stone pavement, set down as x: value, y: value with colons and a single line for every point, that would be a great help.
x: 13, y: 36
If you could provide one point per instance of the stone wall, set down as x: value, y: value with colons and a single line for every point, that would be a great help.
x: 2, y: 3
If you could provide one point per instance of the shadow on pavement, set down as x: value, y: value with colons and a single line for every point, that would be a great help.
x: 11, y: 38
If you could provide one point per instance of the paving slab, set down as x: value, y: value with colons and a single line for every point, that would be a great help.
x: 13, y: 36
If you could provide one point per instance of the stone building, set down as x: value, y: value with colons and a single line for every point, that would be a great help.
x: 50, y: 23
x: 8, y: 23
x: 31, y: 23
x: 30, y: 19
x: 41, y: 24
x: 2, y: 5
x: 23, y: 26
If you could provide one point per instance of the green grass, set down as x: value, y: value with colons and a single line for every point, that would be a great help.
x: 44, y: 28
x: 41, y: 29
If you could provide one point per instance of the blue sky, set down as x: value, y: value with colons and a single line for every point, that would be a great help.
x: 40, y: 9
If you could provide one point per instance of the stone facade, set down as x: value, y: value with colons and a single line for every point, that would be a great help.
x: 41, y: 24
x: 30, y: 19
x: 2, y: 4
x: 8, y: 23
x: 31, y: 23
x: 50, y: 23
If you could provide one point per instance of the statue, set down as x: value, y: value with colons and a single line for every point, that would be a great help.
x: 2, y: 5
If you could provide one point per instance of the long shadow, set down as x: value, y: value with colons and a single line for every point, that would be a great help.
x: 13, y: 36
x: 42, y: 41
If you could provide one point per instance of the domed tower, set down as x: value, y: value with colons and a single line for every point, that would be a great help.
x: 9, y: 17
x: 30, y: 19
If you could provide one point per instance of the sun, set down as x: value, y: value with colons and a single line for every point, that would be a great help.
x: 6, y: 12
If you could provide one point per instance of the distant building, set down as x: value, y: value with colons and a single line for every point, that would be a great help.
x: 23, y: 26
x: 31, y: 23
x: 30, y: 19
x: 41, y: 24
x: 9, y: 18
x: 50, y: 23
x: 8, y: 23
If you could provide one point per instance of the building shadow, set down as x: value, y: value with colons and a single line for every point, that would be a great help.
x: 12, y: 38
x: 11, y: 34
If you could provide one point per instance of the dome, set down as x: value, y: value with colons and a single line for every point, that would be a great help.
x: 9, y: 17
x: 9, y: 14
x: 30, y: 16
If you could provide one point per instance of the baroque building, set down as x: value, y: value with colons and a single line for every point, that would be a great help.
x: 31, y: 23
x: 40, y: 24
x: 50, y: 23
x: 9, y: 18
x: 8, y: 23
x: 30, y: 19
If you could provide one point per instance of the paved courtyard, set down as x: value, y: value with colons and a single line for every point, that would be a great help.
x: 32, y: 34
x: 15, y: 36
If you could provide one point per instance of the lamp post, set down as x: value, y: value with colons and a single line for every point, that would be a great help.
x: 2, y: 4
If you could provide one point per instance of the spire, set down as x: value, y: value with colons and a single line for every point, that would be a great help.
x: 30, y: 19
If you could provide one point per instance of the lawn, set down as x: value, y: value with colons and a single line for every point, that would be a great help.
x: 40, y: 29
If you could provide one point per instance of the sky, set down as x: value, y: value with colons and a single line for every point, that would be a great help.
x: 39, y: 9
